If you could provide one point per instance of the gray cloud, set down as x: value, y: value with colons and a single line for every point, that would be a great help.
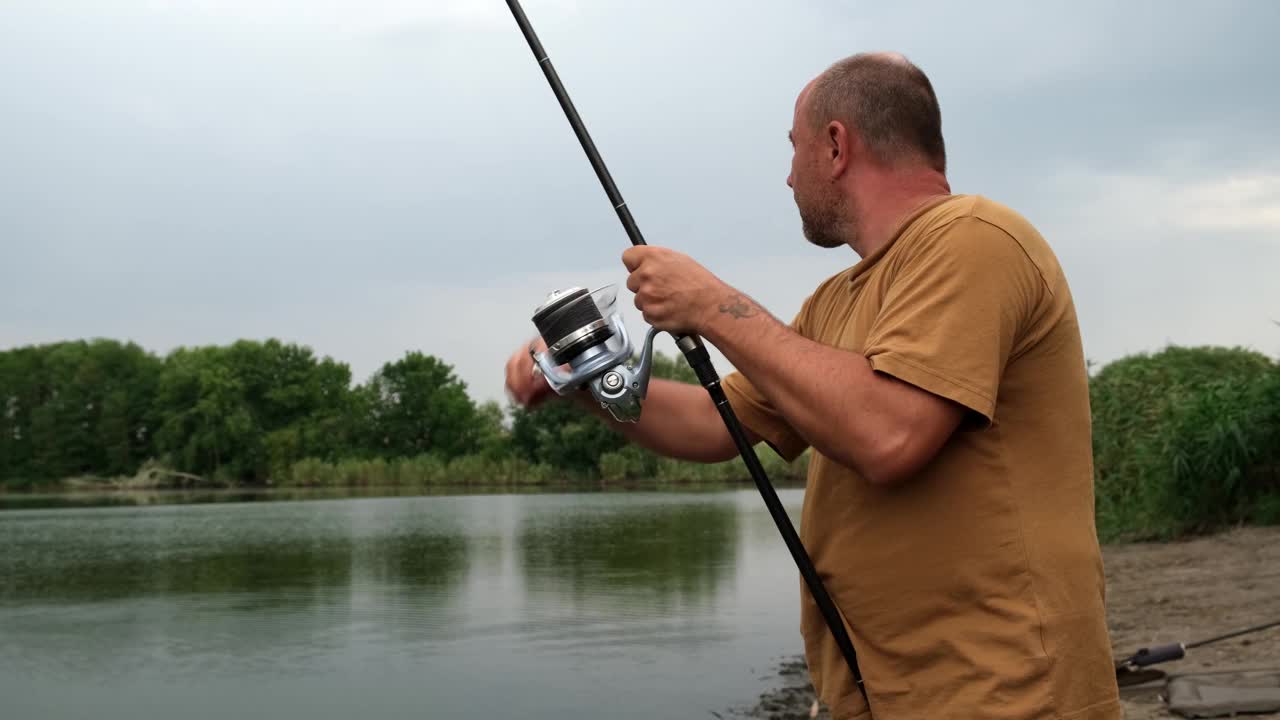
x: 373, y: 177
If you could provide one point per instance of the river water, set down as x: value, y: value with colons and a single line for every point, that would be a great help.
x: 587, y: 605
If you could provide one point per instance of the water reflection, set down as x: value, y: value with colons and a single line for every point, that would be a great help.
x: 222, y: 589
x: 326, y: 559
x: 414, y: 561
x: 655, y: 556
x: 457, y: 606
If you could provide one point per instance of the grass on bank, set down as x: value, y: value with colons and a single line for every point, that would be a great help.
x: 630, y: 467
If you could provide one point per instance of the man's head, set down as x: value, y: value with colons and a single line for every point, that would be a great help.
x: 868, y: 114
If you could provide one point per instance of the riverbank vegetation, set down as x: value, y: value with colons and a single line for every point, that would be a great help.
x: 1185, y: 440
x: 104, y: 414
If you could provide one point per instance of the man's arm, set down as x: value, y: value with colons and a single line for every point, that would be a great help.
x: 678, y: 421
x: 881, y: 427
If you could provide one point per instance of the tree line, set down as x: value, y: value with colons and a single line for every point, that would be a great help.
x: 1184, y: 440
x: 247, y: 412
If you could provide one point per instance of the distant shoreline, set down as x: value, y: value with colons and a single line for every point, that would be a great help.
x: 110, y: 495
x: 426, y: 472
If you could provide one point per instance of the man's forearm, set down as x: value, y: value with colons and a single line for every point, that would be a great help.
x: 832, y: 397
x: 678, y: 420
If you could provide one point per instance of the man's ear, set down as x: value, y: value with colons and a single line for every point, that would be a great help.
x: 840, y: 147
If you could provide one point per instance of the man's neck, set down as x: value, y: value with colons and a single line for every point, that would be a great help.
x: 885, y: 205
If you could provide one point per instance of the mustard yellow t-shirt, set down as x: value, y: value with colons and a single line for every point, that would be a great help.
x: 974, y: 589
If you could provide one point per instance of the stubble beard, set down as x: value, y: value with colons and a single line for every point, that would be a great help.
x: 826, y: 221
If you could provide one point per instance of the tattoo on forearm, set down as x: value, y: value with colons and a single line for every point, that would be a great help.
x: 739, y: 307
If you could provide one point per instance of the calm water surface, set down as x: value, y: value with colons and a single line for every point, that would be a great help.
x: 629, y: 605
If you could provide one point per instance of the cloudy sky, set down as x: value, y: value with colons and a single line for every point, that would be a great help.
x: 377, y: 176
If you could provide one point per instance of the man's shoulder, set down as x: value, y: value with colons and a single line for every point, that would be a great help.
x: 980, y: 215
x: 974, y: 209
x: 1012, y: 222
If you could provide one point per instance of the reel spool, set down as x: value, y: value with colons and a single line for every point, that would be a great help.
x: 587, y: 344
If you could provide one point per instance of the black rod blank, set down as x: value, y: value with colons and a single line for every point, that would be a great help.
x: 1236, y: 633
x: 700, y: 360
x: 579, y: 128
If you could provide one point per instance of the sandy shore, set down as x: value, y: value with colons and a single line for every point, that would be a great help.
x: 1157, y: 593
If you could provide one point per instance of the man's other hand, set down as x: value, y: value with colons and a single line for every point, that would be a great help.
x: 524, y: 386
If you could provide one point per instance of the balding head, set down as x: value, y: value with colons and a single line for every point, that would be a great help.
x: 887, y: 101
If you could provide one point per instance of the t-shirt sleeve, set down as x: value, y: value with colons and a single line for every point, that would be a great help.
x: 954, y: 313
x: 757, y: 413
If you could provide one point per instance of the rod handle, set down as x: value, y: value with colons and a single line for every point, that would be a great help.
x: 1158, y: 654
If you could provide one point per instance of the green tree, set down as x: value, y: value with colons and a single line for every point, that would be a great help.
x: 65, y: 441
x: 114, y: 439
x: 561, y: 434
x: 298, y: 400
x: 493, y: 440
x: 416, y: 405
x: 10, y: 430
x: 47, y: 461
x: 249, y: 410
x: 125, y: 397
x: 72, y: 408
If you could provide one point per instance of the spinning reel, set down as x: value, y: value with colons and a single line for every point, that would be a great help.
x: 587, y: 344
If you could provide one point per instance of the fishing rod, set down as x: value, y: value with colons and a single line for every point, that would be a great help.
x: 1129, y: 670
x: 583, y: 331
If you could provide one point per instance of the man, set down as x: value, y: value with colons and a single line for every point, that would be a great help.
x: 941, y: 384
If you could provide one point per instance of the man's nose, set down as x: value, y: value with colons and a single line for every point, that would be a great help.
x: 789, y: 181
